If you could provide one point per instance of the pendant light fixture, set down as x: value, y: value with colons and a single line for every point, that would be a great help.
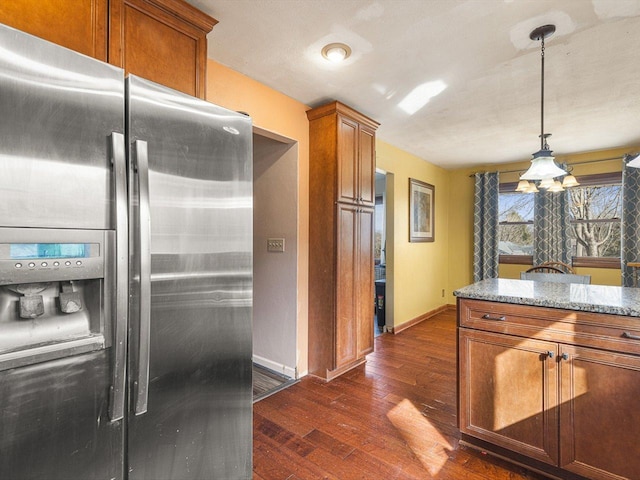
x: 542, y: 164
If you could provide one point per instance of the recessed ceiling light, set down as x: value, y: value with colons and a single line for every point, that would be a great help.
x: 336, y: 52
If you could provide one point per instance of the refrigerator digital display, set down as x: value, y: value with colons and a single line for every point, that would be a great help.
x: 22, y: 251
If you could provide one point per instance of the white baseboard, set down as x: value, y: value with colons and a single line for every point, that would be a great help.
x: 275, y: 367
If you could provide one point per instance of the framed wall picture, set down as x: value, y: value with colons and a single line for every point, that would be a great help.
x: 421, y: 211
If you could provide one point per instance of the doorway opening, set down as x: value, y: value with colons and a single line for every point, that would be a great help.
x: 379, y: 254
x: 275, y: 217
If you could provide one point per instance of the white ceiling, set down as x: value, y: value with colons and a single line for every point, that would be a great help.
x: 489, y: 111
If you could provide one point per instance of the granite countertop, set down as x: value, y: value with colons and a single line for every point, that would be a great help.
x: 569, y: 296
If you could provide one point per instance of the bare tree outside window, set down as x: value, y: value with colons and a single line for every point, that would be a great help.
x: 595, y: 220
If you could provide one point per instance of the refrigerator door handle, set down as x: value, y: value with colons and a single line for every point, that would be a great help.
x: 144, y: 232
x: 118, y: 376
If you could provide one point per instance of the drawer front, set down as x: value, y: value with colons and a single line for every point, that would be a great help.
x: 608, y: 332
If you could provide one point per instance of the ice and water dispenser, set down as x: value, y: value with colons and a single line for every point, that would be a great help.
x: 54, y: 293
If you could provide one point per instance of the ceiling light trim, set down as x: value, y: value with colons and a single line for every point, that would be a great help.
x: 336, y: 52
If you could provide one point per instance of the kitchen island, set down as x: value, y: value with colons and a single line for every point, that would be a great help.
x: 549, y: 376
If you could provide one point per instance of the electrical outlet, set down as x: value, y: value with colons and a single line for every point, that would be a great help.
x: 275, y: 244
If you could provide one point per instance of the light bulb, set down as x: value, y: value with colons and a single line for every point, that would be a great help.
x: 336, y: 52
x: 546, y: 183
x: 556, y: 187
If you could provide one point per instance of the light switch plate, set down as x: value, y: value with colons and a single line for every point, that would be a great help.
x: 275, y: 244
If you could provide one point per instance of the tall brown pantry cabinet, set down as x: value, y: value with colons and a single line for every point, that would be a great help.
x: 341, y: 198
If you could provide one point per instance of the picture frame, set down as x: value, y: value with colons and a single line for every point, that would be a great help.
x: 421, y: 211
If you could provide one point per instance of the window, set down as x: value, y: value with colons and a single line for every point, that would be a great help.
x: 595, y: 209
x: 515, y: 226
x: 596, y: 212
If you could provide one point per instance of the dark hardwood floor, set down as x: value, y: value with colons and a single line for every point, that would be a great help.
x: 393, y: 418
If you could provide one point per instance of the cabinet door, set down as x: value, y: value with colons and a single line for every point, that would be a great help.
x: 599, y: 418
x: 367, y: 166
x: 347, y: 160
x: 508, y: 393
x: 79, y: 25
x: 365, y: 292
x: 347, y: 251
x: 158, y: 43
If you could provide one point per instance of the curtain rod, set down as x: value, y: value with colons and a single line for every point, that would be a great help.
x: 570, y: 164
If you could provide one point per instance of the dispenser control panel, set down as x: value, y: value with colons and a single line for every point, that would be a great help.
x: 40, y: 255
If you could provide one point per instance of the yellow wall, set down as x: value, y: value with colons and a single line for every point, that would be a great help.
x: 273, y: 111
x: 460, y: 259
x: 461, y: 220
x: 420, y: 269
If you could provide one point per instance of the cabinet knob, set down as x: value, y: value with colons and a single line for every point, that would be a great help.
x: 565, y: 356
x: 551, y: 354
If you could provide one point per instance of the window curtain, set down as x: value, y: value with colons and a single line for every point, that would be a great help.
x: 485, y: 226
x: 630, y: 221
x: 552, y: 227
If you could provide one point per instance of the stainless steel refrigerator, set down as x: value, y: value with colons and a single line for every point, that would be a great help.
x: 125, y: 274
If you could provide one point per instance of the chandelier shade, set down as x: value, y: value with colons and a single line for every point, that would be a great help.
x: 556, y: 187
x: 569, y: 181
x: 635, y: 163
x: 542, y: 167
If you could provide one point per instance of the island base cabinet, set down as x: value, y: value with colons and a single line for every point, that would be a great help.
x: 556, y: 390
x: 600, y: 413
x: 508, y: 393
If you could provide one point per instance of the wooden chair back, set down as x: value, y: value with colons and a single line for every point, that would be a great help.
x: 552, y: 267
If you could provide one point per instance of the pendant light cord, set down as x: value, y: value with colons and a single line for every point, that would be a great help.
x: 542, y: 137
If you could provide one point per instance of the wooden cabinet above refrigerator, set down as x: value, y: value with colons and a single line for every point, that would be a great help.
x: 161, y: 40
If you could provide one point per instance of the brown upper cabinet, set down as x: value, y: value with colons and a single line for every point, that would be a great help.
x: 355, y: 155
x: 160, y: 40
x: 80, y: 25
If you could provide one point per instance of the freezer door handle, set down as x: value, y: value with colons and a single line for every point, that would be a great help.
x: 118, y: 380
x: 144, y: 240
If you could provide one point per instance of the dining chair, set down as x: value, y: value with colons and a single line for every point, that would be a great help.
x: 552, y: 267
